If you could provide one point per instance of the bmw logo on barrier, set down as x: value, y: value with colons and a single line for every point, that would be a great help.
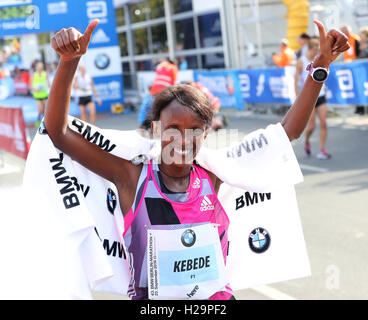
x: 111, y: 201
x: 102, y: 61
x: 259, y: 240
x: 188, y: 238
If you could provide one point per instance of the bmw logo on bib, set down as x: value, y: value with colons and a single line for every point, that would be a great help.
x: 188, y: 238
x: 102, y: 61
x: 259, y: 240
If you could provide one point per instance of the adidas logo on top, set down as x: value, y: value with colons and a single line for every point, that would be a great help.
x: 197, y: 183
x: 100, y: 37
x: 206, y: 204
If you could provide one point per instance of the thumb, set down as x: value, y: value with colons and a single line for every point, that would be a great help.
x: 321, y: 29
x: 91, y: 27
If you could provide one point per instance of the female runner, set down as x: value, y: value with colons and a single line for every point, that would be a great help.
x: 175, y: 191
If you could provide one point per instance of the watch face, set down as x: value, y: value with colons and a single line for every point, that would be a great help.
x: 320, y: 75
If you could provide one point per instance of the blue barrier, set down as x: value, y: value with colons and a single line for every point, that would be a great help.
x: 267, y: 85
x: 224, y: 85
x: 346, y: 84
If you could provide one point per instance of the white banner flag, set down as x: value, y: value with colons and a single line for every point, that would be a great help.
x: 266, y: 242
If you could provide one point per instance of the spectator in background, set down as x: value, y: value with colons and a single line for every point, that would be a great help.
x: 320, y: 109
x: 85, y: 89
x: 352, y: 54
x: 183, y: 64
x: 353, y: 41
x: 39, y: 86
x: 303, y: 41
x: 286, y: 56
x: 2, y: 72
x: 166, y: 75
x: 145, y: 111
x: 363, y: 54
x: 51, y: 70
x: 363, y: 45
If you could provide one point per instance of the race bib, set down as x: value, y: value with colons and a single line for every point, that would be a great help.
x: 184, y: 262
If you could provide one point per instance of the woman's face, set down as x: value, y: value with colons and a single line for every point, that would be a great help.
x: 39, y: 66
x: 182, y: 134
x: 364, y: 36
x: 82, y: 69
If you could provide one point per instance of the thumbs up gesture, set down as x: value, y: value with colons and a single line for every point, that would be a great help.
x: 332, y: 43
x: 70, y: 43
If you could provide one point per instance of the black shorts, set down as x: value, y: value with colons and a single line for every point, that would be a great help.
x: 83, y: 101
x: 321, y: 100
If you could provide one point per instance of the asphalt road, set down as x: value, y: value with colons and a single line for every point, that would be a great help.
x: 333, y: 203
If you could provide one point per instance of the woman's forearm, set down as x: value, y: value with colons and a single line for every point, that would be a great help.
x: 332, y: 44
x: 298, y: 116
x: 56, y: 115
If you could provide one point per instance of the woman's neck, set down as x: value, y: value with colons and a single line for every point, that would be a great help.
x: 173, y: 171
x: 175, y: 178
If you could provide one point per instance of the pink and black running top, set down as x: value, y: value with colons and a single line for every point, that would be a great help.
x: 155, y: 205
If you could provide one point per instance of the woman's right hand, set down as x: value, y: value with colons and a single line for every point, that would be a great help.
x: 70, y: 43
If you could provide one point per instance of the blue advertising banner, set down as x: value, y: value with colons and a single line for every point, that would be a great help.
x: 348, y: 83
x: 267, y: 85
x: 224, y: 85
x: 102, y: 60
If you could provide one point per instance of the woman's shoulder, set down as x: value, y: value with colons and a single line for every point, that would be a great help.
x: 216, y: 182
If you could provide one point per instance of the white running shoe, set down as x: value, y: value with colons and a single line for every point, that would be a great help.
x: 323, y: 155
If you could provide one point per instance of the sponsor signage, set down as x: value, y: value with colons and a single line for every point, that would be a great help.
x: 103, y: 57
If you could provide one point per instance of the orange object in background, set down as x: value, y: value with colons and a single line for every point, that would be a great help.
x: 285, y: 58
x: 350, y: 54
x: 16, y: 45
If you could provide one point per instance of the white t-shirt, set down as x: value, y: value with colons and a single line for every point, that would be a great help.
x: 84, y: 85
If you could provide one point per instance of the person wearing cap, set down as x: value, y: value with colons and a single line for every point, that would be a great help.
x: 286, y: 56
x: 353, y: 41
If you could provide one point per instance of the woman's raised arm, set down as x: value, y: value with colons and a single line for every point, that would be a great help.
x: 70, y: 44
x: 331, y: 45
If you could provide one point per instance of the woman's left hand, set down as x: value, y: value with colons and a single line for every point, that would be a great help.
x: 332, y: 44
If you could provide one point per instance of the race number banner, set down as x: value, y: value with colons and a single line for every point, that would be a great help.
x: 184, y: 262
x: 103, y: 60
x: 13, y: 136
